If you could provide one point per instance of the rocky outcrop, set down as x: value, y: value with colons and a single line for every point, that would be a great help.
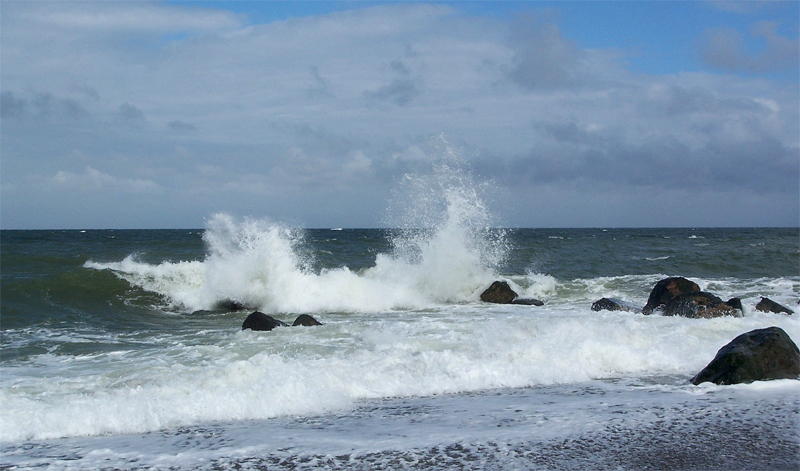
x: 758, y: 355
x: 306, y: 320
x: 260, y: 321
x: 699, y: 304
x: 499, y: 293
x: 667, y: 289
x: 768, y: 305
x: 611, y: 304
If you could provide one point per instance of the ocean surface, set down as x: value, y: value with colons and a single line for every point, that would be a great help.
x: 121, y: 349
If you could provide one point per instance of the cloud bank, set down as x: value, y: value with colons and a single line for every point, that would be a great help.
x: 146, y: 115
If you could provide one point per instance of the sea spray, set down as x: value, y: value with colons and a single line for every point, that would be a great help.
x: 253, y: 262
x: 444, y: 228
x: 444, y: 251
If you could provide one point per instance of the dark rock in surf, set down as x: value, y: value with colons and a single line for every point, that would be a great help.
x: 528, y: 302
x: 306, y: 320
x: 768, y: 305
x: 499, y: 293
x: 611, y: 304
x: 230, y: 305
x: 261, y: 321
x: 736, y: 303
x: 699, y: 304
x: 758, y: 355
x: 667, y: 289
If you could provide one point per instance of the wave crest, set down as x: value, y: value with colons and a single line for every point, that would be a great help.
x: 443, y: 252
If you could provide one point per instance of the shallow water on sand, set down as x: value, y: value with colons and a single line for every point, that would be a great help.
x: 613, y: 424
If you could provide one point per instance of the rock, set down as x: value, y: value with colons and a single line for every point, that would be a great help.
x: 735, y: 303
x: 757, y: 355
x: 306, y: 320
x: 611, y: 304
x: 499, y: 293
x: 700, y: 304
x: 528, y: 302
x: 768, y: 305
x: 667, y: 289
x: 261, y: 321
x: 230, y: 305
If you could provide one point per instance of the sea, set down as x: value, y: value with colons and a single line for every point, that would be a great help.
x: 124, y: 349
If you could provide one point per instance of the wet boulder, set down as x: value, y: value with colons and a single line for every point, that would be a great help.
x: 699, y: 304
x: 768, y: 305
x: 499, y: 293
x: 758, y: 355
x: 667, y: 289
x: 611, y: 304
x: 306, y: 320
x: 260, y: 321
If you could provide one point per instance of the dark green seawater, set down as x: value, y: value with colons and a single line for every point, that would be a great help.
x: 44, y: 280
x: 705, y: 253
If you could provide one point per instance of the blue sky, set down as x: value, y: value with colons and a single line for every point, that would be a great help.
x: 160, y: 114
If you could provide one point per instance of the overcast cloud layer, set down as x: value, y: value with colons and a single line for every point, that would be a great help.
x: 136, y: 114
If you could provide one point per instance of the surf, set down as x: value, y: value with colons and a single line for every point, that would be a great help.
x: 443, y: 250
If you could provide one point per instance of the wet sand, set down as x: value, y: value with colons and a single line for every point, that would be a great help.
x: 597, y: 425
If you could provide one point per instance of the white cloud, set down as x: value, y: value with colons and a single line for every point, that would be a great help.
x: 92, y: 179
x: 543, y: 57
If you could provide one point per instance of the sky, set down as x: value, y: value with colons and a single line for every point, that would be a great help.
x: 573, y: 114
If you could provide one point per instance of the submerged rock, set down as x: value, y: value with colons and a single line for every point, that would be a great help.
x: 666, y: 290
x: 758, y: 355
x: 611, y: 304
x: 768, y: 305
x: 699, y: 304
x: 260, y: 321
x: 528, y: 302
x: 499, y: 293
x: 306, y: 320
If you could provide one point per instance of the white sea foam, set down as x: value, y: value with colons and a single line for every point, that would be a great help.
x: 445, y: 253
x: 262, y: 266
x: 475, y: 431
x: 230, y: 375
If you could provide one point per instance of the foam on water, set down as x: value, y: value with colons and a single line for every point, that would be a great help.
x: 240, y: 375
x: 595, y: 425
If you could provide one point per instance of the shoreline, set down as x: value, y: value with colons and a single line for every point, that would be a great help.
x: 593, y: 425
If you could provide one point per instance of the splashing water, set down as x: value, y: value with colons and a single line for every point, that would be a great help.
x: 445, y: 232
x: 444, y: 251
